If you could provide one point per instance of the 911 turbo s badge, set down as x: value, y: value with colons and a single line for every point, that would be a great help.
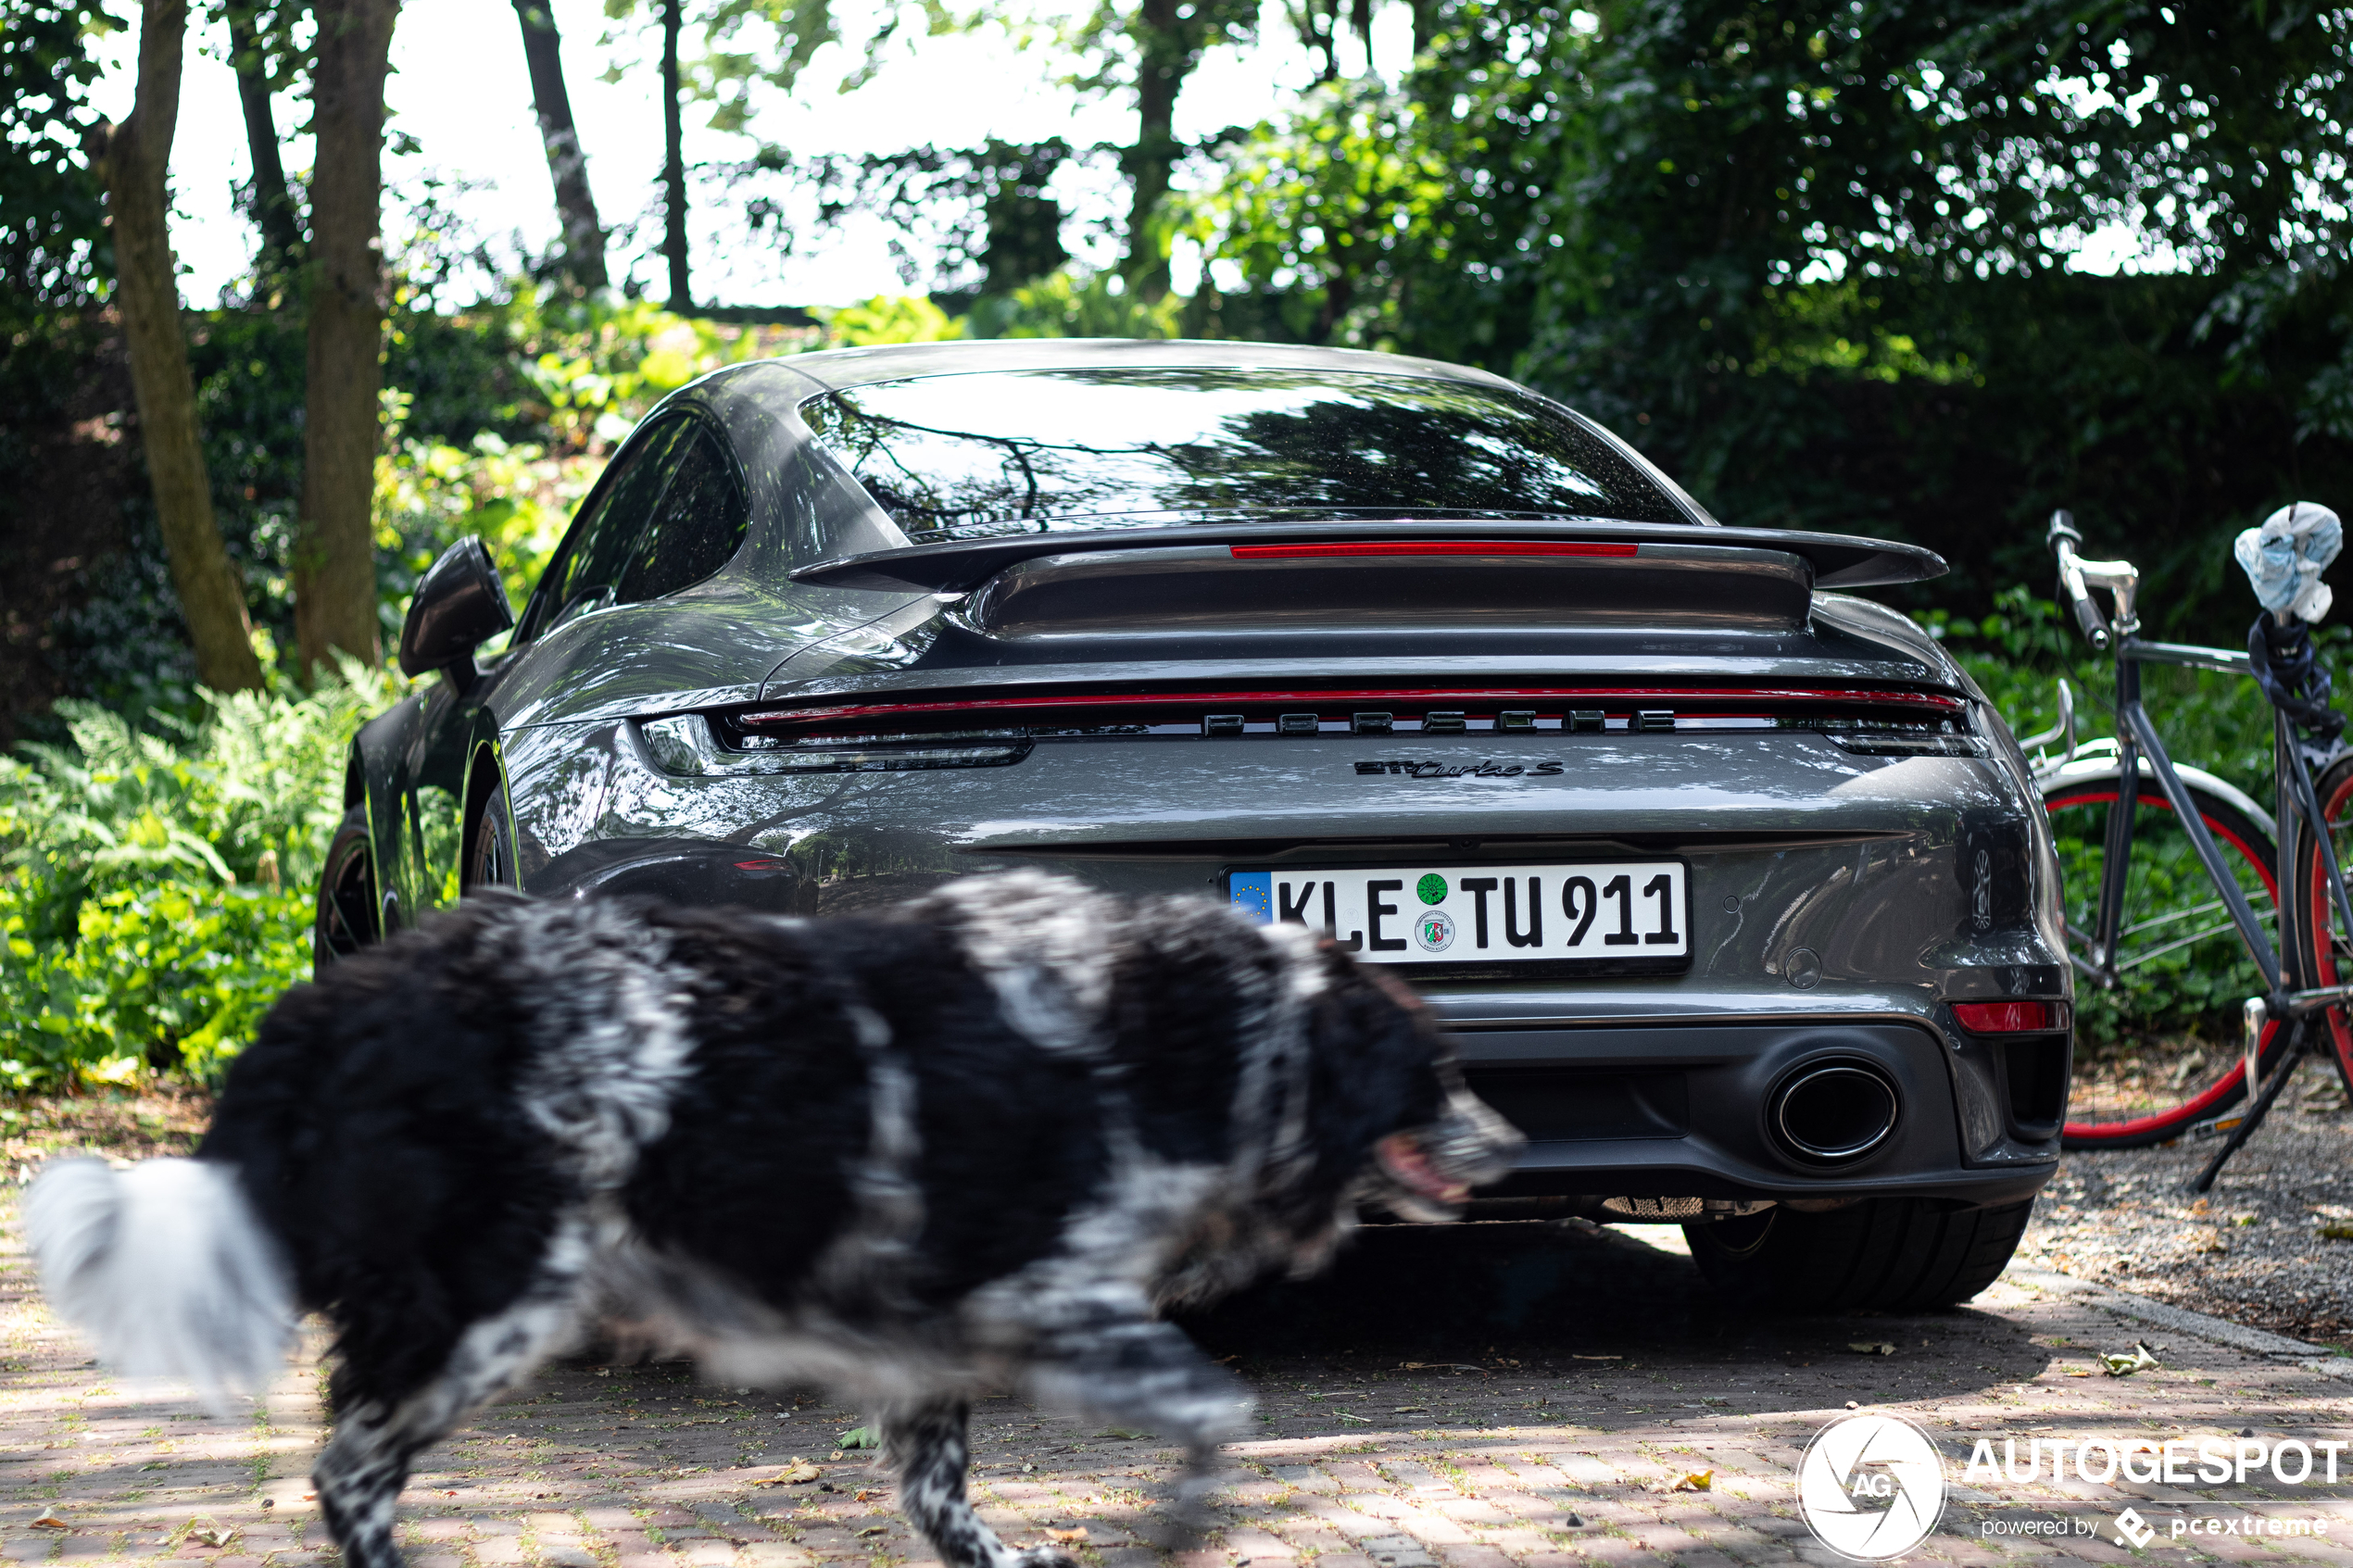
x: 1408, y: 768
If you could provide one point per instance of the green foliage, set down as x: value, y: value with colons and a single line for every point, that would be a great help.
x: 888, y: 318
x: 1075, y: 303
x: 1333, y: 213
x: 752, y: 42
x: 156, y: 891
x: 1814, y: 257
x: 54, y: 252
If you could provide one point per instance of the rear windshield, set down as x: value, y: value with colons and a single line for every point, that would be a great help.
x: 958, y: 457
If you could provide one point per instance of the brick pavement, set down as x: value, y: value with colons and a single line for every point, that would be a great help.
x: 1521, y: 1396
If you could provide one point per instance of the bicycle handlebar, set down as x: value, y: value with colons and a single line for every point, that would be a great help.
x: 2062, y: 538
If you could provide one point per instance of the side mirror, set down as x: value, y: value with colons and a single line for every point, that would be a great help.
x: 459, y: 605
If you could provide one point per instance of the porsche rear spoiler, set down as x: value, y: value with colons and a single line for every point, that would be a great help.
x: 1838, y: 560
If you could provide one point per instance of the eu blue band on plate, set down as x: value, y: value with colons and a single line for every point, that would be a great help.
x: 1255, y: 891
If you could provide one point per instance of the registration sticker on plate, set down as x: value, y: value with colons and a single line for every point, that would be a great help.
x: 1622, y: 914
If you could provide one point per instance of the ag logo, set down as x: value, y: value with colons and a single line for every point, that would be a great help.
x: 1871, y: 1486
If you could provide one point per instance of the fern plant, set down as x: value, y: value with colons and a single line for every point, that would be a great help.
x: 155, y: 881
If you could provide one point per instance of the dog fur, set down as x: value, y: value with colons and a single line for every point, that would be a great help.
x: 979, y: 1142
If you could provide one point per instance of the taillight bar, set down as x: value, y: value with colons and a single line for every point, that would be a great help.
x: 1924, y: 703
x: 2007, y: 1018
x: 1430, y: 548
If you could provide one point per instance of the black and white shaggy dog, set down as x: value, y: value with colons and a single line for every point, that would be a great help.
x: 978, y: 1142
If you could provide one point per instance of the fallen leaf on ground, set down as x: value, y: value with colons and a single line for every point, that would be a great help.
x: 1359, y: 1420
x: 791, y: 1475
x: 2077, y: 1371
x: 1127, y: 1434
x: 1697, y: 1481
x: 860, y: 1438
x: 1410, y: 1410
x: 48, y: 1520
x: 1575, y: 1357
x: 2338, y: 1231
x: 2124, y: 1364
x: 1872, y: 1347
x: 873, y: 1529
x: 1078, y: 1532
x: 212, y: 1535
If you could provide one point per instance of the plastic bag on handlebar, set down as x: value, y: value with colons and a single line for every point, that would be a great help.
x: 2290, y: 674
x: 2284, y: 556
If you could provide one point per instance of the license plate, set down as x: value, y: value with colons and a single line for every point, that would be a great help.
x: 1620, y: 915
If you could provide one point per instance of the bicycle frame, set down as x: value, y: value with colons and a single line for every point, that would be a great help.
x: 2289, y: 996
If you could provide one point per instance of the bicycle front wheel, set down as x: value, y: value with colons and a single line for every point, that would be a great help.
x: 2159, y: 1049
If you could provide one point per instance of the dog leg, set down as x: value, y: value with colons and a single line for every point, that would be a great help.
x: 362, y: 1469
x: 1142, y: 1372
x: 929, y: 1444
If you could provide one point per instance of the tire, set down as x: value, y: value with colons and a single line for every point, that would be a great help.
x: 2163, y: 1050
x: 490, y: 855
x: 349, y: 917
x: 1881, y: 1254
x: 2327, y: 950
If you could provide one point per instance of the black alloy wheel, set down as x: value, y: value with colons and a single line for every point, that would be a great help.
x: 347, y: 918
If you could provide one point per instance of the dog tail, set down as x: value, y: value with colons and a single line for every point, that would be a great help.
x: 167, y: 1266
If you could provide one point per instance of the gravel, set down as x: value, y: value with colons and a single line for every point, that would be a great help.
x: 2252, y: 1252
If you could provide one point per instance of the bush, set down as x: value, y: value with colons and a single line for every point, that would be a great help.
x: 156, y: 896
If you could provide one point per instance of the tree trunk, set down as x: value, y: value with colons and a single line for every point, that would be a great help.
x: 583, y: 237
x: 673, y: 160
x: 1163, y: 60
x: 133, y: 157
x: 274, y: 207
x: 335, y: 567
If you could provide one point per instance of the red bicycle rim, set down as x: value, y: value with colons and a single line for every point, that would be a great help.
x: 2221, y: 1088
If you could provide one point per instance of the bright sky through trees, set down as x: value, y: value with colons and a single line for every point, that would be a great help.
x: 461, y: 90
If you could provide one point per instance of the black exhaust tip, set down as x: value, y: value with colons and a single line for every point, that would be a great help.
x: 1833, y: 1112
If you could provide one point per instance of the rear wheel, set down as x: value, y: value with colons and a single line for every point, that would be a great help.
x: 2328, y: 950
x: 1882, y: 1254
x: 347, y: 917
x: 2162, y: 1049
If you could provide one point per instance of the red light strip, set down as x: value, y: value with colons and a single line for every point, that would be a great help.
x: 1928, y: 700
x: 1428, y: 548
x: 2006, y: 1018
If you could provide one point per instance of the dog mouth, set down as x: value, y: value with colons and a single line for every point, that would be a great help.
x: 1405, y: 1162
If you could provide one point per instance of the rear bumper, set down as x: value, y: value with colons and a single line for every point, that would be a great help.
x: 1687, y: 1109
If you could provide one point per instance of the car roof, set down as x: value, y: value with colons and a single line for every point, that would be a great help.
x: 835, y: 367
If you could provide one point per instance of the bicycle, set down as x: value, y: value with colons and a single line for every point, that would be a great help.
x: 2172, y: 858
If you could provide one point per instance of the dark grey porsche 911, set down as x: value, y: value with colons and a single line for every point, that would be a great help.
x: 1731, y: 885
